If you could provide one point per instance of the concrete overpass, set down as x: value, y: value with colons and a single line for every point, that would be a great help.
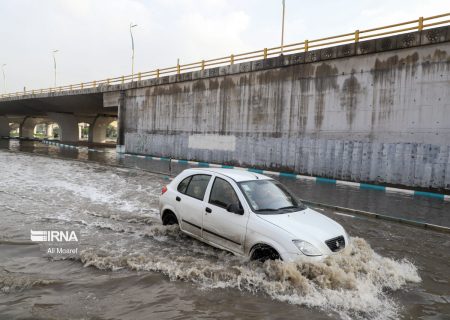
x: 374, y: 110
x: 67, y: 109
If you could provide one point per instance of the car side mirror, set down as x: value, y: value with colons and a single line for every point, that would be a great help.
x: 235, y: 209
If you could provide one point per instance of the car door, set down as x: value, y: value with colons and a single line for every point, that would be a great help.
x: 221, y: 227
x: 190, y: 204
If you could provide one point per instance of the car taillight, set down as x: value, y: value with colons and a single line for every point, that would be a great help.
x: 164, y: 189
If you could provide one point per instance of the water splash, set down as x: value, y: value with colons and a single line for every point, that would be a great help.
x: 353, y: 284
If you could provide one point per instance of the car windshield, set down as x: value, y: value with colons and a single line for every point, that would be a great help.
x: 269, y: 196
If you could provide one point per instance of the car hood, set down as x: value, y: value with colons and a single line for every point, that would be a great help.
x: 306, y: 225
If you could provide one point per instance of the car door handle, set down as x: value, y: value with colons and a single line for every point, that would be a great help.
x: 208, y: 210
x: 178, y: 198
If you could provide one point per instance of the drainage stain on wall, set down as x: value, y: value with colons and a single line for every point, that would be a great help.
x: 381, y: 117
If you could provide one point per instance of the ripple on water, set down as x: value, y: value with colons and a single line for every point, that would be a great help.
x: 15, y: 282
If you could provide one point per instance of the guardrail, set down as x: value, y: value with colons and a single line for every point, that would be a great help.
x: 353, y: 37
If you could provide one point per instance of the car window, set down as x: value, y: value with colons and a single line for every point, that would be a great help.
x: 269, y: 196
x: 182, y: 186
x: 223, y: 194
x: 197, y: 186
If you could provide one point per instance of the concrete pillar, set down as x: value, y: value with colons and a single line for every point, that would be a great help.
x: 120, y: 147
x: 4, y: 126
x: 27, y: 127
x: 97, y: 131
x: 68, y: 126
x: 116, y: 99
x: 50, y: 127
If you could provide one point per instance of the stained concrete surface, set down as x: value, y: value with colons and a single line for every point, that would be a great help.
x: 381, y: 117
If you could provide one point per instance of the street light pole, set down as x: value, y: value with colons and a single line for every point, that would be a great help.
x: 4, y: 76
x: 282, y: 29
x: 54, y: 63
x: 132, y: 50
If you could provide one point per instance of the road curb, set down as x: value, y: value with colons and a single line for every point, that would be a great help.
x: 364, y: 186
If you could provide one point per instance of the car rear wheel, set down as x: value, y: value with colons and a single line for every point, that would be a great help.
x: 169, y: 218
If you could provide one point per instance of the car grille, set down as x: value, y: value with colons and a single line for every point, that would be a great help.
x: 336, y: 244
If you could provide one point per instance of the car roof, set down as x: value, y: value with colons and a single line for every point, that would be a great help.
x: 237, y: 175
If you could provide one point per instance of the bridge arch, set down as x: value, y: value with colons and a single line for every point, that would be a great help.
x: 28, y: 126
x: 68, y: 126
x: 34, y: 127
x: 55, y: 126
x: 100, y: 127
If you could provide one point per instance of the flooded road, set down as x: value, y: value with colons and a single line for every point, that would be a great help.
x: 130, y: 267
x: 427, y: 210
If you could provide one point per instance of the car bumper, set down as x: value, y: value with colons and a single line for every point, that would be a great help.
x: 294, y: 256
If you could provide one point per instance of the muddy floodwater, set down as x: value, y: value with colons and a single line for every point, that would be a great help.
x: 128, y: 266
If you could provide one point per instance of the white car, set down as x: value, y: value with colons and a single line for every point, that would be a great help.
x: 248, y: 214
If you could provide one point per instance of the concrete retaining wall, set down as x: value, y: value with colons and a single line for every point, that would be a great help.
x: 379, y: 117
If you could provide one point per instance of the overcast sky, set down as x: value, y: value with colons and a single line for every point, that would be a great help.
x: 94, y: 41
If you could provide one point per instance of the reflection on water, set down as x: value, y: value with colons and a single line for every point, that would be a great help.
x: 105, y: 155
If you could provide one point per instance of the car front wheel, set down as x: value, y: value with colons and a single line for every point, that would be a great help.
x: 263, y: 253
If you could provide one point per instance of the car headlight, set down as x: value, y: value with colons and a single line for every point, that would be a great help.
x: 306, y: 248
